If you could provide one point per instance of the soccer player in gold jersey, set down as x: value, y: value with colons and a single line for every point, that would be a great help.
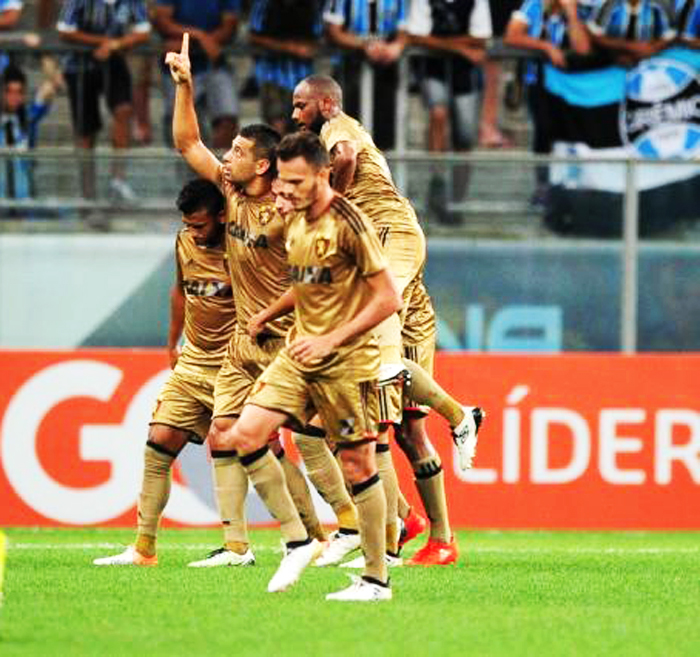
x: 259, y: 274
x: 202, y: 307
x: 361, y: 173
x: 341, y: 289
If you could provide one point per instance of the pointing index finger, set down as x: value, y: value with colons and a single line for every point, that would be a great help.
x: 185, y: 51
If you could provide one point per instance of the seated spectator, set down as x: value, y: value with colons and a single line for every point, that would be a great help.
x: 490, y: 135
x: 19, y: 123
x: 289, y: 31
x: 212, y: 25
x: 688, y: 22
x: 550, y: 28
x: 10, y: 13
x: 108, y: 28
x: 457, y: 32
x: 372, y: 31
x: 632, y: 30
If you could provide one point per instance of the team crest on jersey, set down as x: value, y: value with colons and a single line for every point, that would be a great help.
x: 322, y: 244
x: 266, y: 215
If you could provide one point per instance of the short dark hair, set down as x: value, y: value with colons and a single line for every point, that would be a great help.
x: 200, y: 194
x: 304, y: 144
x: 13, y: 73
x: 266, y: 140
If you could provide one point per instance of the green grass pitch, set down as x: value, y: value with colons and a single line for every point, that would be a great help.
x: 512, y: 593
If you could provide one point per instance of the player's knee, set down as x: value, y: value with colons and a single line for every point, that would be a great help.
x: 219, y: 429
x: 169, y: 438
x: 357, y: 463
x: 245, y: 440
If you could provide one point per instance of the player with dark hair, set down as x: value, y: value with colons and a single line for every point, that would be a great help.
x: 201, y: 307
x: 341, y: 289
x: 360, y: 171
x: 259, y: 274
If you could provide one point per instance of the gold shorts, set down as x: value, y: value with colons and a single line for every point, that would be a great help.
x: 390, y: 398
x: 348, y: 408
x: 186, y: 399
x: 245, y: 361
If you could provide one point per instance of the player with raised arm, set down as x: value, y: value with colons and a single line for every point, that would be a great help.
x: 259, y: 274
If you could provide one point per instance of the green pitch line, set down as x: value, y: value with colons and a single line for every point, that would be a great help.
x: 512, y: 593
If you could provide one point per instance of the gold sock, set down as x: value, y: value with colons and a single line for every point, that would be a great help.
x: 424, y: 390
x: 145, y: 545
x: 268, y: 478
x: 387, y: 474
x: 347, y: 516
x: 430, y: 481
x: 371, y: 508
x: 325, y: 474
x: 155, y: 492
x: 230, y: 491
x: 404, y: 508
x: 301, y: 496
x: 237, y: 546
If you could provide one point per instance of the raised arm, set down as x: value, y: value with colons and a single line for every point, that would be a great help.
x: 186, y: 134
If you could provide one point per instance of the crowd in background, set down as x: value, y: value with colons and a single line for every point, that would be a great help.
x: 458, y: 82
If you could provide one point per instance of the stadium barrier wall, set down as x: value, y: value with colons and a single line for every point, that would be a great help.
x: 490, y: 296
x: 570, y: 441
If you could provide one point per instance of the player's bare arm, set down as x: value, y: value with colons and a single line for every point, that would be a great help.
x: 177, y: 323
x: 384, y: 301
x: 344, y: 164
x: 282, y: 306
x: 186, y: 133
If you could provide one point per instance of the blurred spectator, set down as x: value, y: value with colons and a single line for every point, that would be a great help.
x: 688, y: 22
x: 289, y: 31
x: 490, y: 135
x: 549, y: 27
x: 631, y: 30
x: 371, y: 30
x: 457, y: 31
x: 212, y: 24
x: 10, y: 13
x: 108, y: 28
x: 19, y: 122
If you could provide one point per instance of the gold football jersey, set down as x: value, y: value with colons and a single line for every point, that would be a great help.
x: 257, y: 259
x: 329, y: 259
x: 420, y: 321
x: 372, y: 188
x: 210, y: 315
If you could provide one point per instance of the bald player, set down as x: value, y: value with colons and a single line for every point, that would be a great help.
x: 361, y: 173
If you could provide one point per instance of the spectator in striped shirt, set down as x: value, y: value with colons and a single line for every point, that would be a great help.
x: 550, y: 27
x: 289, y: 32
x: 108, y: 28
x: 372, y: 31
x: 632, y: 30
x: 19, y: 123
x: 688, y: 22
